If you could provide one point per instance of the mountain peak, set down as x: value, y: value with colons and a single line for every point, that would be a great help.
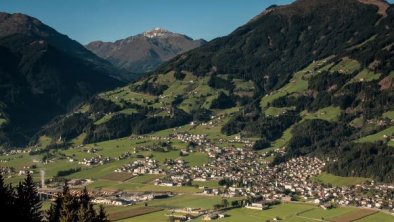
x: 157, y: 32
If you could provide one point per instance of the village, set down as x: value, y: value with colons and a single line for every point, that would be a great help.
x: 238, y: 172
x: 243, y: 172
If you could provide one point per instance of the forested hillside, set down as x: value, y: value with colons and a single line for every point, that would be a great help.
x: 39, y: 82
x: 315, y: 77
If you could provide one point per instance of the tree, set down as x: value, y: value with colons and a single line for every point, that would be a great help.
x: 7, y: 199
x: 27, y: 201
x: 235, y: 203
x: 70, y: 208
x: 86, y: 211
x: 225, y: 202
x: 261, y: 144
x: 102, y: 215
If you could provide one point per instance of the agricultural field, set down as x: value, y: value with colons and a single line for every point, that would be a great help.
x: 378, y: 217
x: 119, y: 177
x: 287, y: 212
x: 156, y: 217
x: 133, y: 213
x: 321, y: 214
x: 326, y: 178
x: 354, y: 215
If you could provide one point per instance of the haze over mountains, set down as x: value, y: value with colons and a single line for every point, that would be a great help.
x: 144, y: 52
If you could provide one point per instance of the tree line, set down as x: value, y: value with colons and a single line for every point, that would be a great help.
x: 23, y: 203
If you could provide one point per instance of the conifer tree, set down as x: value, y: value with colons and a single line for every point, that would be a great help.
x: 27, y: 201
x: 102, y: 216
x: 7, y: 199
x: 72, y: 208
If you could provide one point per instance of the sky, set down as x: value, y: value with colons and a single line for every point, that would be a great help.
x: 110, y: 20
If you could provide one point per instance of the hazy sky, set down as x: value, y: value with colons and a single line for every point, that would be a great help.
x: 109, y: 20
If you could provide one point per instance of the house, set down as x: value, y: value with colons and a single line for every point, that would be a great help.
x: 210, y: 216
x: 261, y: 205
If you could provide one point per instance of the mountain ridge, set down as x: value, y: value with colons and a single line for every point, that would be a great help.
x: 144, y: 52
x: 18, y: 23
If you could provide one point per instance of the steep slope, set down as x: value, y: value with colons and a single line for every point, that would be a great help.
x: 38, y: 82
x: 314, y: 78
x: 18, y: 23
x: 283, y: 40
x: 144, y: 52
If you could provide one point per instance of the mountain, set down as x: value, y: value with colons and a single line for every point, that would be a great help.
x: 42, y: 75
x: 18, y: 23
x: 313, y: 78
x: 144, y: 52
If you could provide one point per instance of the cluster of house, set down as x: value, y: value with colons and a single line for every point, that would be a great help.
x: 368, y: 195
x: 14, y: 151
x: 7, y: 170
x: 97, y: 160
x: 90, y: 150
x: 121, y: 198
x: 175, y: 174
x: 124, y: 156
x: 78, y: 183
x: 238, y: 139
x: 198, y: 139
x: 247, y: 173
x: 186, y: 214
x: 141, y: 166
x: 113, y: 201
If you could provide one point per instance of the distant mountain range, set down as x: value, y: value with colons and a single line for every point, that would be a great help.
x: 144, y: 52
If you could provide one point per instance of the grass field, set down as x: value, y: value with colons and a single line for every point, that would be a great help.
x: 297, y: 84
x: 327, y: 178
x: 378, y: 217
x: 287, y: 212
x: 346, y: 65
x: 120, y: 177
x: 329, y: 114
x: 133, y: 213
x: 354, y: 215
x: 365, y: 76
x: 379, y: 136
x: 389, y: 115
x: 319, y: 213
x: 283, y: 140
x: 2, y: 121
x: 274, y: 111
x: 154, y: 217
x: 104, y: 119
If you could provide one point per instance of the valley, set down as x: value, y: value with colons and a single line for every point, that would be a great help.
x: 185, y: 162
x: 290, y: 118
